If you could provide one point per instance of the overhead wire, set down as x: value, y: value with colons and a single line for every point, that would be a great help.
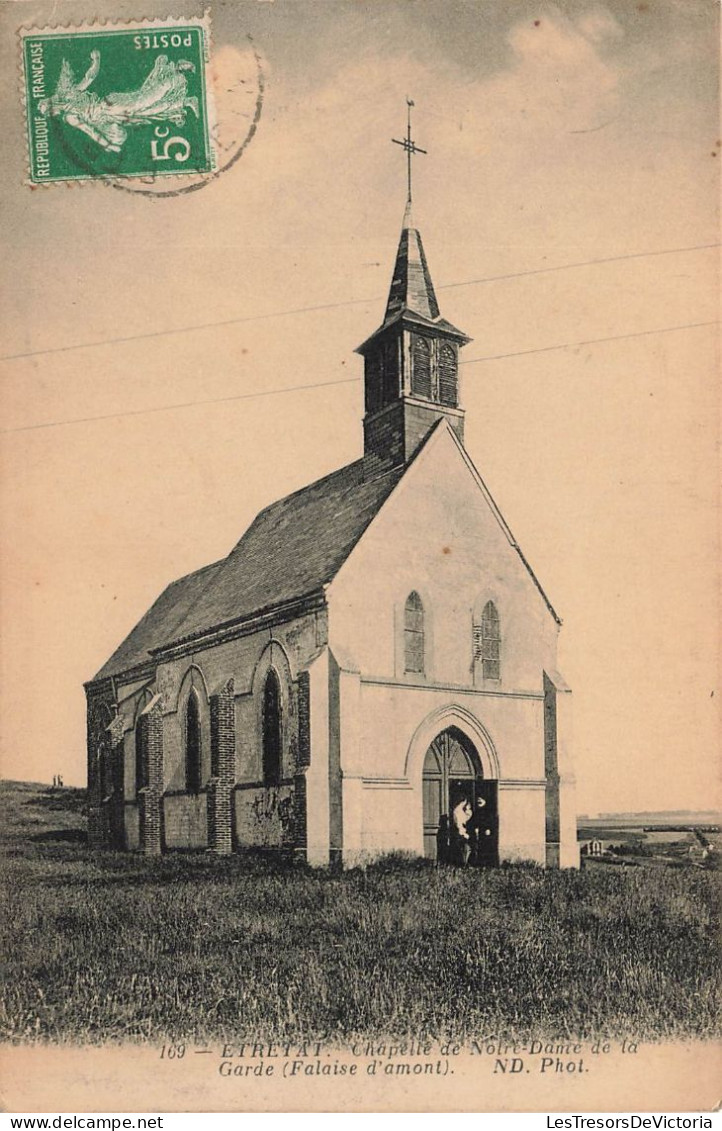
x: 343, y: 380
x: 317, y: 308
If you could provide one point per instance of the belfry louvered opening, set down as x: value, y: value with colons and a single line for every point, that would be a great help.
x: 414, y: 634
x: 448, y: 376
x: 487, y: 642
x: 421, y: 367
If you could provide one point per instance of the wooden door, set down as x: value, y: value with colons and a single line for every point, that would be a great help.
x: 433, y: 799
x: 485, y: 824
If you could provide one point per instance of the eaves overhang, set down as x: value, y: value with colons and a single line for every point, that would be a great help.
x: 411, y: 320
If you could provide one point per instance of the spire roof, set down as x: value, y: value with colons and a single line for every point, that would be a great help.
x: 412, y: 297
x: 411, y: 285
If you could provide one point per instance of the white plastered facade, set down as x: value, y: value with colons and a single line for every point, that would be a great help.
x: 439, y: 534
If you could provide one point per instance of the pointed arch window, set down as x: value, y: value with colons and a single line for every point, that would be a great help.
x: 193, y: 743
x: 271, y: 730
x: 421, y: 367
x: 414, y: 634
x: 487, y: 642
x: 448, y: 376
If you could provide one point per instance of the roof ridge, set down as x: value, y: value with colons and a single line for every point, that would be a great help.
x: 147, y: 618
x: 361, y: 463
x: 407, y: 315
x: 496, y: 510
x: 220, y: 563
x: 194, y: 573
x: 317, y: 525
x: 299, y: 491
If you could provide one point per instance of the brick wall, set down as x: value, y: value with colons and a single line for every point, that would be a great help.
x: 234, y: 809
x: 299, y: 817
x: 223, y: 768
x: 185, y: 820
x: 384, y: 438
x: 265, y: 816
x: 303, y: 752
x: 303, y: 761
x: 150, y: 738
x: 392, y: 436
x: 99, y: 713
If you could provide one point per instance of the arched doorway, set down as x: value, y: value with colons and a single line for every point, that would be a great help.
x: 452, y: 773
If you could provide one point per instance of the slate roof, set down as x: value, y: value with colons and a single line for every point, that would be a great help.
x: 411, y: 285
x: 411, y: 318
x: 160, y: 622
x: 292, y: 549
x: 412, y: 297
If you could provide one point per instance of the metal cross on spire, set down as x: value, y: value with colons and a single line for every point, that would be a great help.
x: 410, y: 147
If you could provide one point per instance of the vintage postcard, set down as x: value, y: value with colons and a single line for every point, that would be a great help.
x: 360, y: 573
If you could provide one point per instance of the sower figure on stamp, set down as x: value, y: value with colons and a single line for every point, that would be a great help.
x: 460, y: 838
x: 163, y: 97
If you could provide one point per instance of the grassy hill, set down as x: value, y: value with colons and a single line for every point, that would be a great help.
x: 114, y: 947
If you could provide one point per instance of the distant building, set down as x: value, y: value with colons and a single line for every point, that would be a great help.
x: 701, y: 848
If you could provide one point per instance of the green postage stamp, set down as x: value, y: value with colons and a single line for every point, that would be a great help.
x: 125, y: 100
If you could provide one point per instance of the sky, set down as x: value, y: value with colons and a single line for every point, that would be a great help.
x: 557, y: 134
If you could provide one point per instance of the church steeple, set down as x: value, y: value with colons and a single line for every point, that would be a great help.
x: 411, y: 361
x: 411, y: 286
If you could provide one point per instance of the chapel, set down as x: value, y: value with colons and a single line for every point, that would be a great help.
x: 374, y: 653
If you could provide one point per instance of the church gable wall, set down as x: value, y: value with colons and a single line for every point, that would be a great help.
x: 438, y: 538
x: 386, y: 727
x: 391, y: 715
x: 437, y: 535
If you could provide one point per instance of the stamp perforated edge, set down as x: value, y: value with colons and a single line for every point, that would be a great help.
x: 142, y: 23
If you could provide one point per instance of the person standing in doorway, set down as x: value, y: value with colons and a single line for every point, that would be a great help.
x: 460, y: 839
x: 478, y: 829
x: 442, y: 840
